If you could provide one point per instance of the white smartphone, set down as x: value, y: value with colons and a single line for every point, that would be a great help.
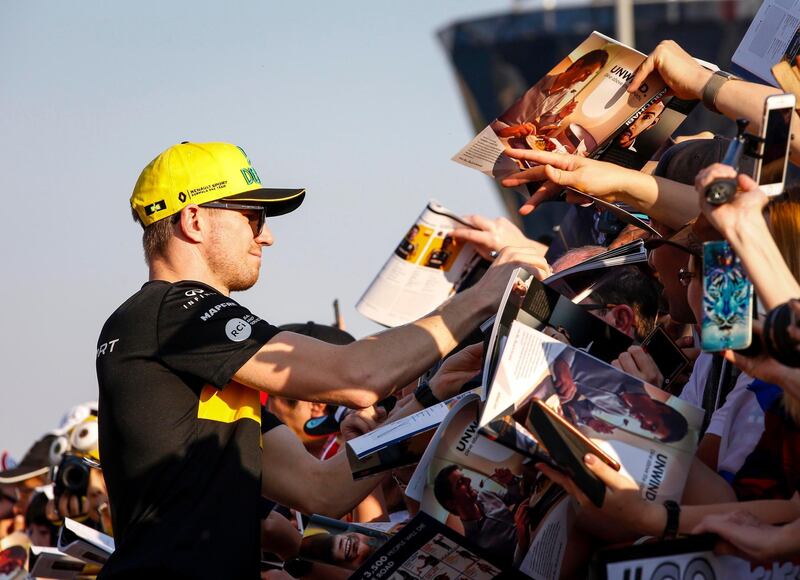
x: 776, y: 131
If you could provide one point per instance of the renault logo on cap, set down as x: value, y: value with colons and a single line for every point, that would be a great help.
x: 182, y: 197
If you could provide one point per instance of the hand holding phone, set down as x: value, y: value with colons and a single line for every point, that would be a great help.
x: 567, y: 447
x: 669, y: 358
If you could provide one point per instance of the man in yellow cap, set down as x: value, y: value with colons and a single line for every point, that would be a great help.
x: 180, y: 365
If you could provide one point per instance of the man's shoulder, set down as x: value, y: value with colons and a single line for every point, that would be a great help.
x: 183, y: 294
x: 149, y: 294
x: 147, y: 302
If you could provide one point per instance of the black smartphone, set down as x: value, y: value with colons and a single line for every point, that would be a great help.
x: 669, y: 358
x: 567, y: 447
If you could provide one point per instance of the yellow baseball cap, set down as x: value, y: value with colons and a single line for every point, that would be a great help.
x: 197, y: 173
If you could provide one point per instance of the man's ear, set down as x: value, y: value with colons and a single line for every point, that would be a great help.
x: 622, y: 318
x: 192, y: 223
x: 318, y: 409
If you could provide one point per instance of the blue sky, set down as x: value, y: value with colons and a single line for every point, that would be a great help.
x: 353, y: 100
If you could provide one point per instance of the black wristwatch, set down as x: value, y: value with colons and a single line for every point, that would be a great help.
x: 673, y: 520
x: 424, y: 394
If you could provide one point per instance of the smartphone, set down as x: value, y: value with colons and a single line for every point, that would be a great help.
x: 669, y: 358
x: 776, y: 131
x: 567, y: 446
x: 727, y: 300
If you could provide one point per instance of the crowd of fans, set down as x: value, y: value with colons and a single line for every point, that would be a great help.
x: 744, y: 482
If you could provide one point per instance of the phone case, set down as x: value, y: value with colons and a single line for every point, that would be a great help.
x: 669, y: 358
x: 727, y: 299
x: 567, y: 447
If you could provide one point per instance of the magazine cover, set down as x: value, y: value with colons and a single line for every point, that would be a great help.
x: 426, y: 268
x: 577, y: 107
x: 425, y: 548
x: 495, y: 498
x: 651, y: 433
x: 339, y: 544
x: 534, y: 303
x: 644, y: 133
x: 416, y: 485
x: 399, y: 443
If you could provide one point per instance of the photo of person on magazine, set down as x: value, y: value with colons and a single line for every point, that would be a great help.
x: 647, y: 120
x: 338, y: 543
x: 443, y: 255
x: 598, y: 396
x: 489, y: 518
x: 407, y: 248
x: 549, y: 102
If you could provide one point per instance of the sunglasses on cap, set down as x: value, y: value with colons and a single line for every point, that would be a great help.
x: 257, y: 221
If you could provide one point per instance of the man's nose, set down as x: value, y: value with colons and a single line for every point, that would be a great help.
x: 265, y: 237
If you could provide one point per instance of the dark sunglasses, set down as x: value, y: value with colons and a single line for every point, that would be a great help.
x: 256, y: 221
x: 685, y: 276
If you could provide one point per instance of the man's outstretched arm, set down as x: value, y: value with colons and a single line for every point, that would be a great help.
x: 366, y: 371
x: 293, y: 477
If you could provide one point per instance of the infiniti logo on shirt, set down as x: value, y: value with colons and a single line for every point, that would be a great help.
x: 238, y: 330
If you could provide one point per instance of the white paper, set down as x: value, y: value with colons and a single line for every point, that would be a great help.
x: 770, y: 33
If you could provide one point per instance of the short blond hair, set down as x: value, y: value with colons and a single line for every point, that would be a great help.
x: 156, y: 236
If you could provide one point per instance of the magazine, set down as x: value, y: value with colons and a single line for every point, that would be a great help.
x: 772, y: 38
x: 539, y: 306
x: 48, y: 562
x: 581, y: 107
x: 425, y: 548
x: 686, y: 557
x: 645, y: 132
x: 494, y: 497
x: 397, y: 444
x: 341, y: 546
x: 575, y: 279
x: 85, y: 543
x: 426, y: 268
x: 416, y: 485
x: 652, y: 434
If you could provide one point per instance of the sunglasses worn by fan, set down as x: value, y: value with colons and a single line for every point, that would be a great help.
x: 256, y: 220
x: 685, y: 276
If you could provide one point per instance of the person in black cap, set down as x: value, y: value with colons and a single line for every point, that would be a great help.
x: 35, y: 464
x: 180, y: 365
x: 18, y: 483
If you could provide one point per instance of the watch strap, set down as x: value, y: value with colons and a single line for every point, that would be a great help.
x: 424, y: 394
x: 673, y: 520
x: 714, y: 84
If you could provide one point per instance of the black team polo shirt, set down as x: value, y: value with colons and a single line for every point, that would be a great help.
x: 180, y: 443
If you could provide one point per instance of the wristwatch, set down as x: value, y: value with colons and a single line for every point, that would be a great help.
x: 424, y: 394
x: 713, y: 86
x: 673, y: 520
